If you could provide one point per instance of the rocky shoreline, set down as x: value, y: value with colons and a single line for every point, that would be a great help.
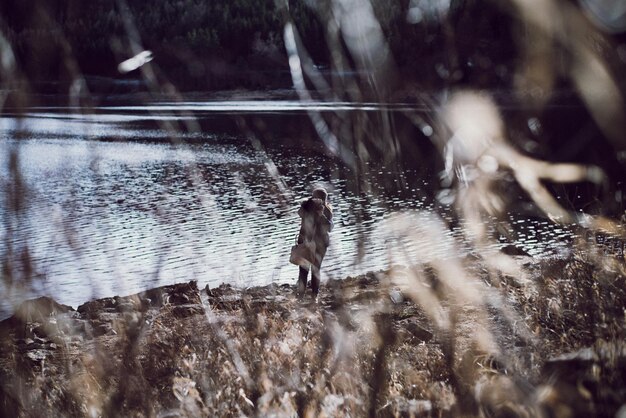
x: 366, y: 348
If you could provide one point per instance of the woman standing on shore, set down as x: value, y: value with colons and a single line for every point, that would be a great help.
x: 317, y: 221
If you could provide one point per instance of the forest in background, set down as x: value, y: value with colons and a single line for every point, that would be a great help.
x: 228, y: 44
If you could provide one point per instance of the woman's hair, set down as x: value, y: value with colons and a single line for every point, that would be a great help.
x: 320, y: 193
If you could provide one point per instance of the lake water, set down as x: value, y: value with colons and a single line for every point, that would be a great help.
x: 117, y: 202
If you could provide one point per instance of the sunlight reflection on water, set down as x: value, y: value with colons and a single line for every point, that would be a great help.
x: 257, y: 106
x: 110, y: 218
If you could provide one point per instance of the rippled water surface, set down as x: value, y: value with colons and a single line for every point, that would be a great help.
x: 115, y: 206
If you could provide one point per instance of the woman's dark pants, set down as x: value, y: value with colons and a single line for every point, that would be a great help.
x: 315, y: 274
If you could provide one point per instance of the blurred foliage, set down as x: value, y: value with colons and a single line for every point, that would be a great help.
x: 464, y: 336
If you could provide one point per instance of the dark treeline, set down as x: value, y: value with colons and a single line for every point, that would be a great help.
x: 48, y: 36
x: 223, y: 43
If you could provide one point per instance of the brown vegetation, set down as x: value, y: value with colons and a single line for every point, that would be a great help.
x: 366, y: 349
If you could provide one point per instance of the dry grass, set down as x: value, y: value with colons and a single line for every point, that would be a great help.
x: 262, y: 352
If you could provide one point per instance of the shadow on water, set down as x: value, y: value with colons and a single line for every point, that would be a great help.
x: 118, y: 203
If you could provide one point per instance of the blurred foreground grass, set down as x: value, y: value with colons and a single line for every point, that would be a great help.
x: 484, y: 335
x: 366, y: 349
